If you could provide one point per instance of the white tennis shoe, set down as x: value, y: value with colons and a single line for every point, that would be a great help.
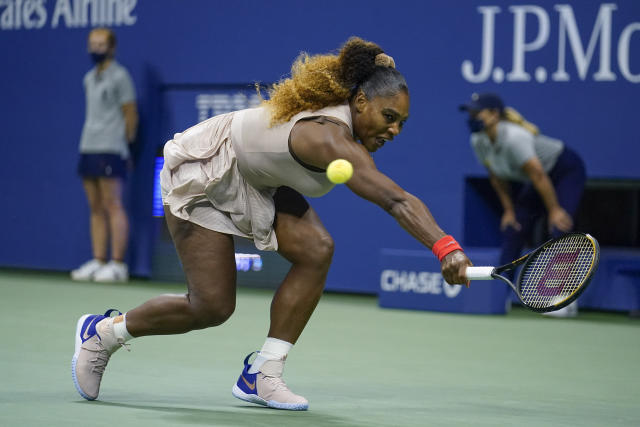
x: 113, y: 271
x: 87, y: 270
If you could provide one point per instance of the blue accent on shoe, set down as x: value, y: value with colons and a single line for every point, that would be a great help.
x: 246, y: 381
x: 88, y: 329
x: 112, y: 310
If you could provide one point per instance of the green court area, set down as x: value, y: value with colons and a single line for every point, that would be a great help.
x: 358, y: 364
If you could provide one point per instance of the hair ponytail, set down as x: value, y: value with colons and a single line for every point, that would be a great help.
x: 319, y: 81
x: 358, y: 61
x: 513, y: 116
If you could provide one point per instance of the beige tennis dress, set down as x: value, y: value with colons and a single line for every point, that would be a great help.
x: 223, y: 172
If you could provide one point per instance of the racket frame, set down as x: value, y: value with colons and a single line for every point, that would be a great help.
x: 495, y: 273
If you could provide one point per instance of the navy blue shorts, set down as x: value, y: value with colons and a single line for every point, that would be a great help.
x: 102, y: 165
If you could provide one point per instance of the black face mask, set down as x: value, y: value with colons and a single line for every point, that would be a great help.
x: 97, y: 58
x: 475, y: 125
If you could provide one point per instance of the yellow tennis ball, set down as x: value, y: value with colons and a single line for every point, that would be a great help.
x: 339, y: 171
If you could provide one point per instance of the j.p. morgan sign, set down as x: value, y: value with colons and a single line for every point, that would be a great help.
x: 613, y: 49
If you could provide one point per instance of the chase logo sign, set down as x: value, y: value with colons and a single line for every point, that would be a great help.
x: 530, y: 27
x: 411, y: 279
x: 419, y: 282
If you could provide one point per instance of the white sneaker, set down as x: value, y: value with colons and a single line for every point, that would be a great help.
x: 87, y: 270
x: 113, y: 271
x: 569, y: 311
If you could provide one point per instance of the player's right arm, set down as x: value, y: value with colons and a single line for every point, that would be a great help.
x: 319, y: 144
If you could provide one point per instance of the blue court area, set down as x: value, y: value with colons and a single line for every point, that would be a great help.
x: 358, y: 364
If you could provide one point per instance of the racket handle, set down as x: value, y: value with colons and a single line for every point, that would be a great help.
x: 480, y: 273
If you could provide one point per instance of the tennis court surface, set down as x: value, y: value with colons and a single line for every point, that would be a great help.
x: 358, y: 364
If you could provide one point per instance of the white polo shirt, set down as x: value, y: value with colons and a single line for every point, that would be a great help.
x: 106, y: 92
x: 514, y: 145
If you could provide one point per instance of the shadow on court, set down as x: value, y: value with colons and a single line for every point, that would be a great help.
x: 584, y: 316
x: 240, y: 415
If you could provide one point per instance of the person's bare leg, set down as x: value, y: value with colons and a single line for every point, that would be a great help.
x: 208, y: 260
x: 209, y: 263
x: 302, y: 240
x: 97, y: 219
x: 111, y: 192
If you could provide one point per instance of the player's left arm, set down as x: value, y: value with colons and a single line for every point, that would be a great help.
x: 558, y: 217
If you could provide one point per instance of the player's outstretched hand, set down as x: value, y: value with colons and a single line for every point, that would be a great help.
x: 454, y: 267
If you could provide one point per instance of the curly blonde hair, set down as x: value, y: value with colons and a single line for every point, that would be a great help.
x: 320, y: 81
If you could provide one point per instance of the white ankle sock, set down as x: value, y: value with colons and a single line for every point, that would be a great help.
x: 273, y: 349
x: 120, y: 328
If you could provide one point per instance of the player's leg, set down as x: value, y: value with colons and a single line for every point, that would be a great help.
x: 111, y: 189
x: 209, y: 265
x: 303, y: 240
x: 208, y: 260
x: 98, y: 231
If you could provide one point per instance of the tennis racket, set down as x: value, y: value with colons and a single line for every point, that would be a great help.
x: 553, y: 275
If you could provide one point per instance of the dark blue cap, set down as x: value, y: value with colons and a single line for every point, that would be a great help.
x: 480, y: 101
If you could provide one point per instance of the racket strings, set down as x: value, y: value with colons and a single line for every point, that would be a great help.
x: 557, y: 271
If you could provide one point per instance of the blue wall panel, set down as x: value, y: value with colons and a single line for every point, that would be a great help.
x: 199, y: 42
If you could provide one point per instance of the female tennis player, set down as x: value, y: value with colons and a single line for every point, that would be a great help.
x: 245, y: 174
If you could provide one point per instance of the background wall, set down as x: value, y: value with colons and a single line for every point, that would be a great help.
x: 582, y: 62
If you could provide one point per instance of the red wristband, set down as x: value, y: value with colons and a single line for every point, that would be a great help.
x: 445, y: 246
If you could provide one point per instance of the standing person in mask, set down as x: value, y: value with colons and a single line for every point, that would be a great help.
x: 110, y: 125
x: 553, y: 175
